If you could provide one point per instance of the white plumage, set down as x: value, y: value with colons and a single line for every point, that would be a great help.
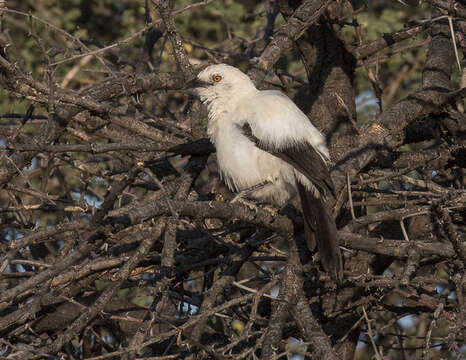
x: 286, y: 151
x: 274, y: 119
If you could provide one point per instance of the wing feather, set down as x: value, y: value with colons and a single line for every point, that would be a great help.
x: 303, y: 157
x: 278, y: 123
x: 278, y: 127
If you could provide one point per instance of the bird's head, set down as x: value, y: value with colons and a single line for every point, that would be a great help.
x: 221, y: 82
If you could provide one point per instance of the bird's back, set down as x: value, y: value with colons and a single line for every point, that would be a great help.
x: 278, y: 122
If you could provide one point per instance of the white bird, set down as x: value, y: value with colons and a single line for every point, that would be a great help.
x: 267, y: 145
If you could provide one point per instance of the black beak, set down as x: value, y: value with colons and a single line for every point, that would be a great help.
x: 195, y: 83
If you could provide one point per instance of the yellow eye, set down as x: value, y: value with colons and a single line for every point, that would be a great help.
x: 216, y: 78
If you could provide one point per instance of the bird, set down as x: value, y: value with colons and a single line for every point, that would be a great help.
x: 268, y: 148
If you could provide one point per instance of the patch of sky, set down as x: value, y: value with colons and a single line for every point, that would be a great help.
x: 9, y: 233
x: 296, y: 348
x: 406, y: 321
x: 108, y: 338
x: 20, y: 268
x: 60, y: 244
x: 76, y: 195
x: 264, y: 272
x: 360, y: 345
x: 362, y: 340
x: 275, y: 291
x: 185, y: 307
x: 147, y: 276
x: 91, y: 338
x: 31, y: 300
x: 387, y: 273
x: 3, y: 349
x: 32, y: 165
x: 92, y: 200
x: 367, y: 103
x: 96, y: 180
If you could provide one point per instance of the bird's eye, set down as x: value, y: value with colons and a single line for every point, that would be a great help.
x: 216, y: 78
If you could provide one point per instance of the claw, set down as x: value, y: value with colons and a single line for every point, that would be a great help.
x: 240, y: 199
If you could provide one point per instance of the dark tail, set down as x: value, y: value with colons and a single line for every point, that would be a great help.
x: 320, y: 228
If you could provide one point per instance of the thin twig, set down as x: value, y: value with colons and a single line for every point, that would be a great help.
x: 254, y: 291
x: 348, y: 113
x: 350, y: 196
x: 369, y: 332
x: 453, y: 41
x: 403, y: 230
x: 437, y: 312
x: 162, y: 188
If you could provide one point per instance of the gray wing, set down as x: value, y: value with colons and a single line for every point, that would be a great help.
x: 319, y: 226
x: 304, y: 158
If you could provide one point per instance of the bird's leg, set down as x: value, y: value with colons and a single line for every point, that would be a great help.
x: 241, y: 200
x: 241, y: 196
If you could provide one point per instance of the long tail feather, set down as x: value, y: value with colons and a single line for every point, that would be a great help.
x: 320, y: 228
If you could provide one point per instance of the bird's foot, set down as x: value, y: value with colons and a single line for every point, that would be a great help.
x: 241, y: 200
x: 241, y: 196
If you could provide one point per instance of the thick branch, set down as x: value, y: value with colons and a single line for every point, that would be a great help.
x: 302, y: 18
x: 453, y: 7
x: 204, y: 209
x: 395, y: 248
x: 387, y: 132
